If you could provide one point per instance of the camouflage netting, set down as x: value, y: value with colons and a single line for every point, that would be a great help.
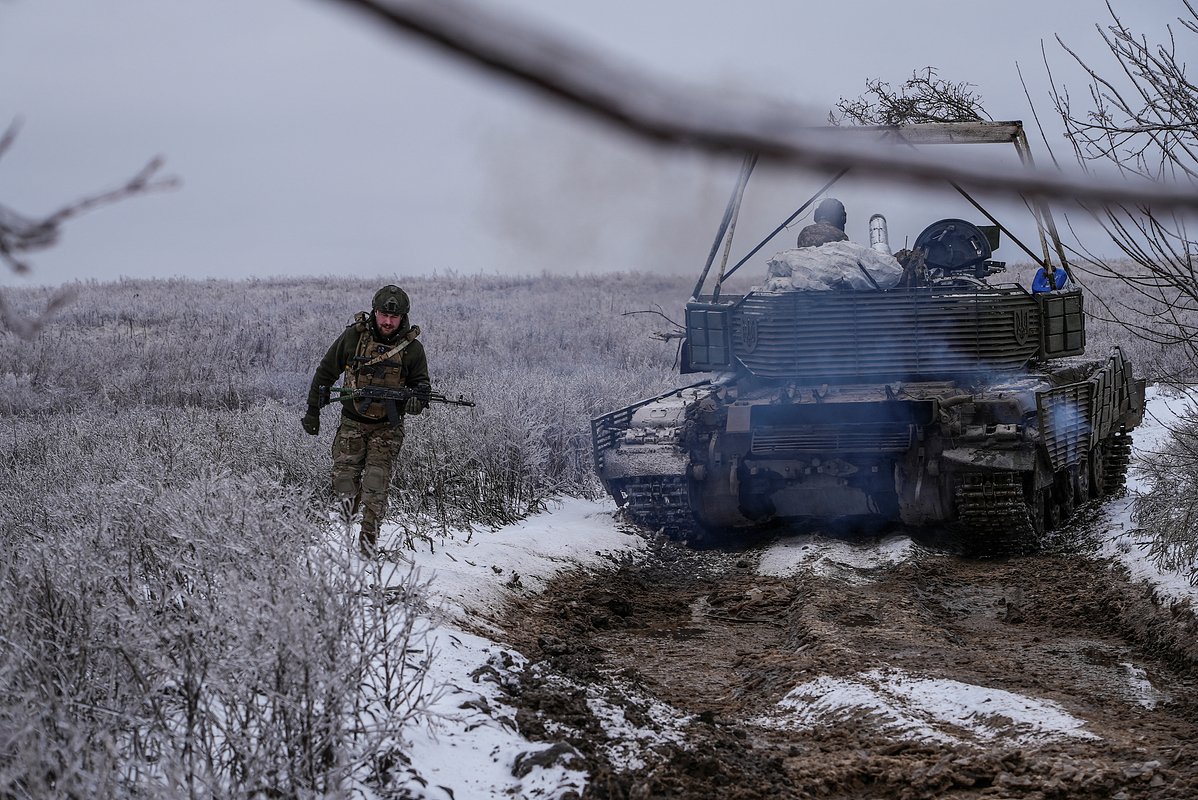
x: 835, y: 265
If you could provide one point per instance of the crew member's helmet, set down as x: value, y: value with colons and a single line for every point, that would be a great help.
x: 832, y: 212
x: 391, y: 300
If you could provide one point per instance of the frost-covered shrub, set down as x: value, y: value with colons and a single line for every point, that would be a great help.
x: 1118, y: 314
x: 178, y: 618
x: 1168, y: 511
x: 197, y: 636
x: 58, y: 470
x: 525, y: 442
x: 227, y: 344
x: 175, y: 614
x: 539, y: 355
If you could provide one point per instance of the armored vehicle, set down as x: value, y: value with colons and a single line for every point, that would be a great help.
x: 949, y: 398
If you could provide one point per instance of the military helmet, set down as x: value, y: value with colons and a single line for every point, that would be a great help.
x: 391, y: 300
x: 832, y: 212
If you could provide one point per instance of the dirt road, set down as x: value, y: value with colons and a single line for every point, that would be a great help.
x: 692, y: 674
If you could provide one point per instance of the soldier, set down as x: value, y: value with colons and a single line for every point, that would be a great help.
x: 377, y: 349
x: 830, y: 219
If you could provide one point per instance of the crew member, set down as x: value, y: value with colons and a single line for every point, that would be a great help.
x: 377, y: 349
x: 830, y: 219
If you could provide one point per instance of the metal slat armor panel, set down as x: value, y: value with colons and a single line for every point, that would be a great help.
x: 1066, y: 422
x: 858, y: 336
x: 891, y: 438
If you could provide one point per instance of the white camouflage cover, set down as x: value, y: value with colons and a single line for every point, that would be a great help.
x: 835, y: 265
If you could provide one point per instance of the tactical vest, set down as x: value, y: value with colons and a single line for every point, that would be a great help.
x: 373, y: 364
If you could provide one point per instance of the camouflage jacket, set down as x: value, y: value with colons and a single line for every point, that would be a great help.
x: 409, y: 368
x: 820, y: 233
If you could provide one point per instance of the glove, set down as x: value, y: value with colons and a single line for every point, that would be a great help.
x: 418, y: 403
x: 311, y: 421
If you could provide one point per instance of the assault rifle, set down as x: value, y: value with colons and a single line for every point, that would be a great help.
x: 366, y: 395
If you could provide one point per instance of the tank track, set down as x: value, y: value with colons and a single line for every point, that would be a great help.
x: 992, y: 516
x: 661, y: 502
x: 1116, y: 461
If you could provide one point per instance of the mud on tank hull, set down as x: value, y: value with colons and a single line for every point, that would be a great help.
x: 999, y: 455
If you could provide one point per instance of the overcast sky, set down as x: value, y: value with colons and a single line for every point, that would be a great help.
x: 310, y: 141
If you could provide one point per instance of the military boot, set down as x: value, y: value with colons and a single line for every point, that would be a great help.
x: 368, y: 542
x: 368, y: 539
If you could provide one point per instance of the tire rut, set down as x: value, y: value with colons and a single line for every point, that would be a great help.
x: 671, y: 676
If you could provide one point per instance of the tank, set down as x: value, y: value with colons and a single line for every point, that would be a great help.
x: 953, y: 399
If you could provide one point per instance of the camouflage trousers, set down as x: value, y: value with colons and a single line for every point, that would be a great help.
x: 363, y: 457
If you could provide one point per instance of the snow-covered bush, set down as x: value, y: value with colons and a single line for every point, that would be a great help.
x: 540, y: 357
x: 226, y: 344
x: 175, y: 622
x: 1141, y: 325
x: 1168, y: 511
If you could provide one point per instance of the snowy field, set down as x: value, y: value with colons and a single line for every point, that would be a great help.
x: 472, y: 748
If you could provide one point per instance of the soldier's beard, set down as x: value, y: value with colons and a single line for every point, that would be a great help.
x: 387, y: 329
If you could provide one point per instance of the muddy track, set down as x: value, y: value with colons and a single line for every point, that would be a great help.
x: 670, y: 677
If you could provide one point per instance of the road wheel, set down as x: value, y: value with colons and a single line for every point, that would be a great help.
x: 1052, y: 512
x: 1062, y: 491
x: 1098, y: 472
x: 1080, y: 478
x: 1037, y: 512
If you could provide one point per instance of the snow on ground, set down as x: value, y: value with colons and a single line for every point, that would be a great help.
x: 626, y: 742
x: 472, y: 572
x: 827, y: 557
x: 470, y: 747
x: 1140, y: 688
x: 926, y: 709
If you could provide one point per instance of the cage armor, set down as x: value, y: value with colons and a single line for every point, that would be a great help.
x: 376, y: 363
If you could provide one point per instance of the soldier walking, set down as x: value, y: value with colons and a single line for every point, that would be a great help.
x: 378, y: 349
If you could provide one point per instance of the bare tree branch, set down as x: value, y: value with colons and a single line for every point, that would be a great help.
x: 669, y: 113
x: 10, y: 136
x: 922, y: 98
x: 20, y: 234
x: 1035, y: 116
x: 1142, y: 120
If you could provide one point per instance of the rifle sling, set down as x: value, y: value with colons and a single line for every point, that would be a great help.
x: 408, y: 338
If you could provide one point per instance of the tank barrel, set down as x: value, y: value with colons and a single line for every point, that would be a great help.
x: 879, y: 239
